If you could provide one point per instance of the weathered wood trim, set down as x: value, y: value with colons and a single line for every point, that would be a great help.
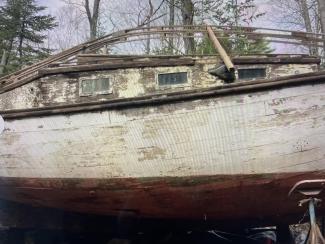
x: 227, y: 89
x: 276, y: 60
x: 117, y: 65
x: 256, y: 59
x: 24, y: 81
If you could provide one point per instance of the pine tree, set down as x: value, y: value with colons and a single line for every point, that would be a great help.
x: 234, y: 13
x: 22, y: 28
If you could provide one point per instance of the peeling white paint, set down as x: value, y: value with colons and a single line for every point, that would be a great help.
x: 2, y: 125
x: 126, y: 83
x: 134, y: 85
x: 279, y: 131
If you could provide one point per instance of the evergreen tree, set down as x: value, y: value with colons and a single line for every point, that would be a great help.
x: 241, y: 45
x: 233, y: 13
x: 22, y: 28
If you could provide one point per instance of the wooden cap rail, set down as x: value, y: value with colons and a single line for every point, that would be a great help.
x: 116, y: 65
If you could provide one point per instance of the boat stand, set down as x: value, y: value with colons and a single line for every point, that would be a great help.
x: 311, y: 191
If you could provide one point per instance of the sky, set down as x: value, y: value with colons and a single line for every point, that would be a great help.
x: 262, y: 6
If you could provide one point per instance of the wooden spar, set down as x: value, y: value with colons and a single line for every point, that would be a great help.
x: 223, y: 54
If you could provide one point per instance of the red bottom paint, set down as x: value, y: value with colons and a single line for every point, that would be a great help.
x: 263, y: 198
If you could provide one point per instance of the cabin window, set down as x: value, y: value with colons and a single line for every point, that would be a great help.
x: 247, y: 74
x: 95, y: 86
x: 172, y: 78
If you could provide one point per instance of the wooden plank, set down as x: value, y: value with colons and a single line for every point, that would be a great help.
x: 123, y: 58
x: 13, y: 85
x: 117, y: 65
x: 276, y: 60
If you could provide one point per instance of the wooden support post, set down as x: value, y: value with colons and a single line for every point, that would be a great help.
x: 223, y: 54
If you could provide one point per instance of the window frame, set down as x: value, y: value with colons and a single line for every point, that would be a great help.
x: 172, y: 73
x: 163, y: 71
x: 96, y: 93
x: 252, y: 68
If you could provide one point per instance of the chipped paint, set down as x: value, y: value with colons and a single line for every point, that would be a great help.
x: 239, y: 134
x: 27, y: 96
x: 169, y: 161
x: 129, y: 83
x: 151, y: 153
x: 126, y: 83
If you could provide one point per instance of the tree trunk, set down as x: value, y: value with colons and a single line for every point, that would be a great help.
x: 3, y: 62
x: 321, y: 9
x: 171, y: 24
x: 8, y: 53
x: 151, y: 10
x: 93, y: 17
x: 308, y: 26
x: 20, y: 44
x: 187, y: 9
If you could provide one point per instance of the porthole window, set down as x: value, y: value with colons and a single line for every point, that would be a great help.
x: 95, y: 86
x: 168, y: 79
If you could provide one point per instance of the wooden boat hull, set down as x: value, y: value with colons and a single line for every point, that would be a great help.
x: 226, y: 157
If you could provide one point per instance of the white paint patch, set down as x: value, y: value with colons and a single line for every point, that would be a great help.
x: 2, y: 125
x: 134, y: 87
x: 279, y: 131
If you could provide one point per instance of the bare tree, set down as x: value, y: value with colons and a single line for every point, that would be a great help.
x: 301, y: 15
x: 171, y: 23
x: 308, y: 25
x: 321, y: 11
x: 321, y: 8
x: 93, y: 17
x: 151, y: 11
x: 91, y: 10
x: 187, y: 10
x: 71, y: 28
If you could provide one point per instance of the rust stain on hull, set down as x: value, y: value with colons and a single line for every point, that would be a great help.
x: 236, y: 197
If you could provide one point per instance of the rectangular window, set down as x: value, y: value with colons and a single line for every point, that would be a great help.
x: 247, y: 74
x: 95, y: 86
x: 172, y: 78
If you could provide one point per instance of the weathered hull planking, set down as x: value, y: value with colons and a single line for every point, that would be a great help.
x: 222, y: 157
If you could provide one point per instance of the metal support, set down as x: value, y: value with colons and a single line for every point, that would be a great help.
x: 312, y: 214
x: 310, y: 189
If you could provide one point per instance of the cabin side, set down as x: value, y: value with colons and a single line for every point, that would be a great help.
x: 98, y: 78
